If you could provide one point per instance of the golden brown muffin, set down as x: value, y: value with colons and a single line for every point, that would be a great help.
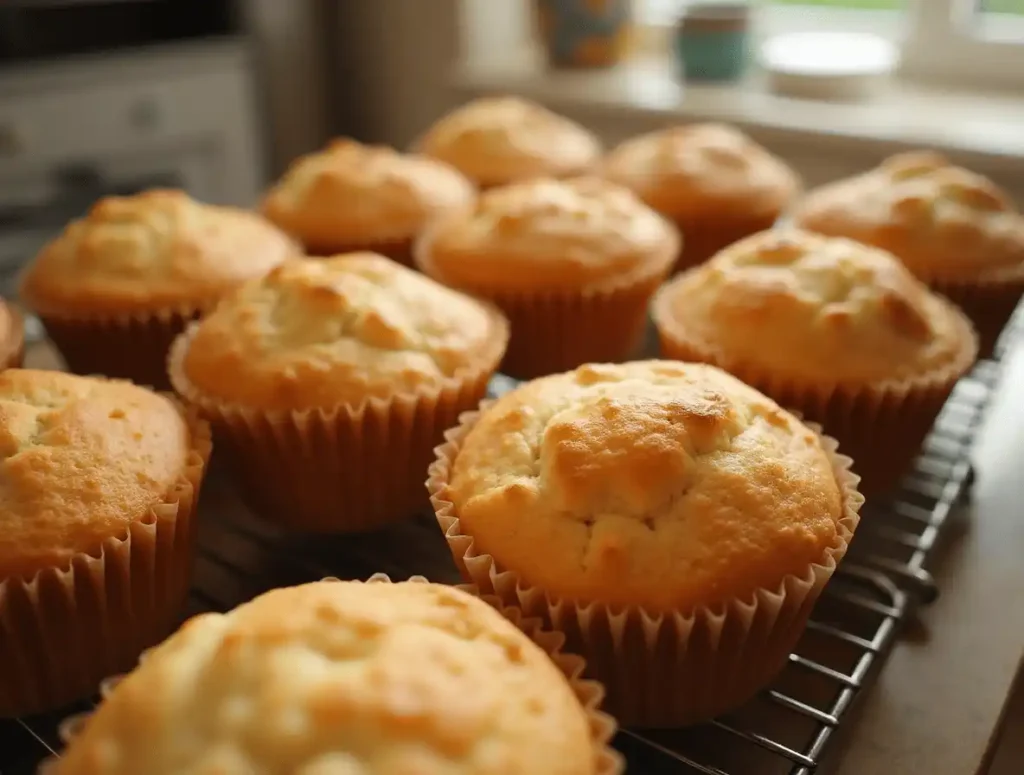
x: 953, y: 228
x: 330, y: 381
x: 837, y: 329
x: 343, y: 677
x: 97, y: 495
x: 715, y: 183
x: 500, y: 140
x: 12, y: 336
x: 118, y: 285
x: 649, y: 508
x: 573, y: 263
x: 352, y: 197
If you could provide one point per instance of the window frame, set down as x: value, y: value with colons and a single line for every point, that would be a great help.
x: 948, y: 41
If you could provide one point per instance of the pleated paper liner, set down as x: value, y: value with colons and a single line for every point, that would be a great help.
x: 705, y: 236
x: 12, y: 348
x: 881, y: 425
x: 665, y: 669
x: 64, y: 629
x: 398, y: 249
x: 554, y: 332
x: 988, y: 302
x: 344, y: 468
x: 127, y: 346
x: 590, y: 694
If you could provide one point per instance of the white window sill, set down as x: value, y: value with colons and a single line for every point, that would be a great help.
x: 980, y: 128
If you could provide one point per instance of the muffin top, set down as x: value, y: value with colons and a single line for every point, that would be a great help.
x: 658, y: 484
x: 699, y: 170
x: 498, y: 140
x: 549, y: 234
x: 149, y: 252
x: 80, y: 459
x: 352, y: 194
x: 339, y: 331
x: 808, y: 307
x: 944, y: 222
x: 342, y: 678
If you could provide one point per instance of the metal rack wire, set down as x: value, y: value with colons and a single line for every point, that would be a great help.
x: 785, y: 730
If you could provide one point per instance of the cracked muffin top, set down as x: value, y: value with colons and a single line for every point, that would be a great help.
x: 342, y: 678
x: 944, y: 222
x: 702, y: 169
x: 547, y: 234
x: 658, y: 484
x: 825, y: 309
x: 351, y: 194
x: 325, y: 333
x: 152, y: 251
x: 498, y: 140
x: 80, y: 459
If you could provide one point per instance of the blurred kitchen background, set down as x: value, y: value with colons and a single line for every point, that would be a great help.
x: 216, y: 96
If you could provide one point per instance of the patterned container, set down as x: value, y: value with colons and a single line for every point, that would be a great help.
x: 584, y: 33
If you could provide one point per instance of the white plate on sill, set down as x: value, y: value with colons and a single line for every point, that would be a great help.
x: 828, y: 65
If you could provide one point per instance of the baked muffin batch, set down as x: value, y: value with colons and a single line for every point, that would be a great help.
x: 670, y: 521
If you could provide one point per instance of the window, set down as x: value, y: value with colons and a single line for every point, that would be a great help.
x: 966, y: 42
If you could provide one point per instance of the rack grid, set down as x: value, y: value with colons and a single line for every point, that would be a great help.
x: 786, y: 730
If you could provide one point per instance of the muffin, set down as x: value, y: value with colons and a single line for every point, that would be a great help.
x: 715, y: 183
x: 99, y: 485
x: 498, y: 140
x: 572, y: 263
x: 12, y: 336
x: 328, y: 383
x: 346, y: 677
x: 836, y: 329
x: 115, y: 287
x: 954, y: 229
x: 674, y: 523
x: 352, y: 197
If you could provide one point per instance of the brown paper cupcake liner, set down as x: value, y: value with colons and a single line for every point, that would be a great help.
x: 660, y: 669
x: 127, y: 346
x: 398, y: 249
x: 607, y: 761
x: 12, y: 349
x: 989, y: 304
x: 704, y: 237
x: 880, y: 425
x: 64, y: 629
x: 554, y: 332
x: 345, y: 468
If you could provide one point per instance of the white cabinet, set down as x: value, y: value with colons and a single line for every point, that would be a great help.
x: 182, y: 116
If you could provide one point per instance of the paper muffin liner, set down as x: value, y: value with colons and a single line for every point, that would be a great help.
x: 989, y: 303
x: 127, y: 346
x: 660, y: 669
x: 554, y: 332
x: 703, y: 237
x: 607, y: 761
x: 65, y: 629
x: 344, y: 468
x: 880, y: 425
x: 398, y: 249
x: 12, y: 349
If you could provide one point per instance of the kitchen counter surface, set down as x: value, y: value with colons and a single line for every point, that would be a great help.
x: 938, y: 703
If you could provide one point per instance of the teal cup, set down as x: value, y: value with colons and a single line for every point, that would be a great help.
x: 713, y: 42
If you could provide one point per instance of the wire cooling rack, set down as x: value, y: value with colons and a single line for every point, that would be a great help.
x: 785, y: 730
